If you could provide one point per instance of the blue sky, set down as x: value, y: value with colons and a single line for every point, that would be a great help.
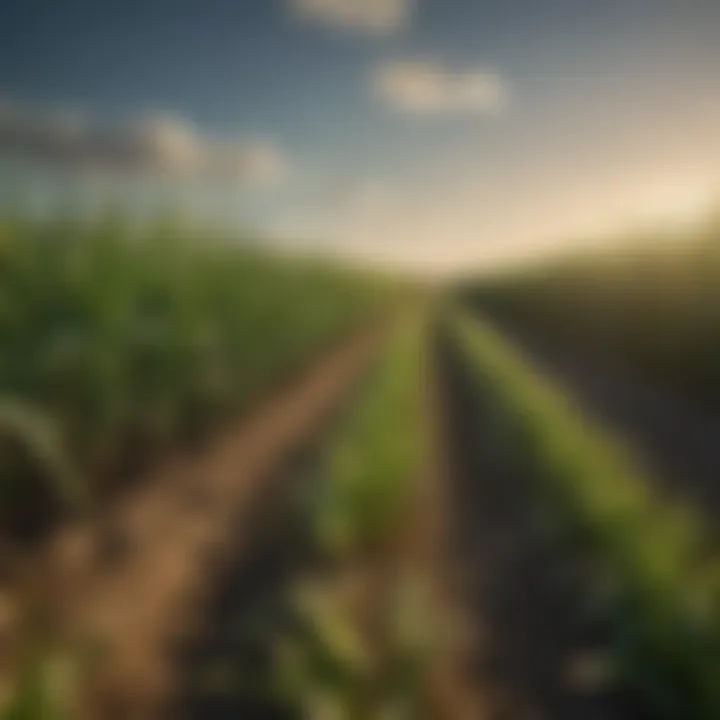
x: 435, y: 131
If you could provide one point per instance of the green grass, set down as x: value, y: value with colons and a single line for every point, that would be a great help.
x: 115, y: 341
x: 649, y: 556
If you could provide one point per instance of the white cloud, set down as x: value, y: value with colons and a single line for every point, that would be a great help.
x: 163, y: 145
x: 421, y: 87
x: 371, y: 16
x: 259, y: 161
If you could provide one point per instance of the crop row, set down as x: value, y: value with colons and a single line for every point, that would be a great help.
x: 114, y: 343
x: 362, y: 644
x: 648, y: 560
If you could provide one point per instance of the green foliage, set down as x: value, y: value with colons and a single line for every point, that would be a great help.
x: 31, y: 441
x: 120, y: 340
x: 335, y: 664
x: 43, y: 692
x: 367, y: 476
x: 665, y: 597
x: 362, y: 641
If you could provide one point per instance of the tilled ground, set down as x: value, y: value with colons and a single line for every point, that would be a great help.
x: 534, y: 649
x: 676, y: 440
x: 165, y: 585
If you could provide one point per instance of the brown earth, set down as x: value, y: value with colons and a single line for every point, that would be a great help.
x: 124, y: 587
x: 520, y: 639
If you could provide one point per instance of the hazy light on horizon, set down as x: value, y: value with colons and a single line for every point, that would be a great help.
x: 434, y: 135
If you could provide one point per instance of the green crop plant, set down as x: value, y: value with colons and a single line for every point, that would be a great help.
x: 363, y: 642
x: 44, y: 691
x: 650, y: 556
x: 368, y: 473
x: 122, y: 339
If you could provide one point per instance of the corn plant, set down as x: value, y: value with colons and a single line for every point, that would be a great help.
x: 115, y: 341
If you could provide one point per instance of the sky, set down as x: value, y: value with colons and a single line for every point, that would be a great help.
x: 442, y: 134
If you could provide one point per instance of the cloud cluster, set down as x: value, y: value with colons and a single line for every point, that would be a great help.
x: 370, y: 16
x: 420, y: 87
x: 161, y: 146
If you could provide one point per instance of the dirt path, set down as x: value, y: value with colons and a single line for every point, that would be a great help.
x: 128, y: 584
x: 226, y: 667
x: 677, y: 441
x: 533, y: 651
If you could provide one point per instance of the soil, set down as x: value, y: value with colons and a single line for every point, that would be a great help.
x: 125, y: 588
x: 154, y: 589
x: 675, y: 439
x: 533, y: 650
